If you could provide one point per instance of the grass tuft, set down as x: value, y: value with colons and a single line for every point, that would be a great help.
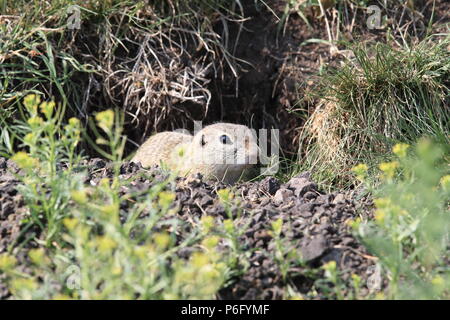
x: 381, y: 97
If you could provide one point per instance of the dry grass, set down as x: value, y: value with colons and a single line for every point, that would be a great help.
x: 153, y: 60
x: 165, y: 74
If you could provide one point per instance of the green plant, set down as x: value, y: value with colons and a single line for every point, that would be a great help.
x: 49, y: 144
x: 230, y: 230
x: 412, y: 218
x: 90, y: 252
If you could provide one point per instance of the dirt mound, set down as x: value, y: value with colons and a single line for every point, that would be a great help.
x: 314, y: 231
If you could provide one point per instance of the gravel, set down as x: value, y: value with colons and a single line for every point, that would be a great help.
x: 314, y: 227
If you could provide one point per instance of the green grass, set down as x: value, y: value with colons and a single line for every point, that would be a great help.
x: 381, y: 97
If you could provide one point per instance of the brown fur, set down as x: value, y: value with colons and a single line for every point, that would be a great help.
x: 203, y: 153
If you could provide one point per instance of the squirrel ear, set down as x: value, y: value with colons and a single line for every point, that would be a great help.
x: 202, y: 140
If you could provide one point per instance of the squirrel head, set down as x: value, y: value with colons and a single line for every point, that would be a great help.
x: 229, y: 146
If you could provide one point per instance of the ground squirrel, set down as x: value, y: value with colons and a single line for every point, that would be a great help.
x: 222, y: 151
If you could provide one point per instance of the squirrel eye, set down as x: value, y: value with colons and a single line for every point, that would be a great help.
x: 225, y: 139
x: 202, y: 141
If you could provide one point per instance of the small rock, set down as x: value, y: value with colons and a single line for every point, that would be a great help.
x: 314, y: 249
x: 253, y: 195
x: 206, y: 201
x: 270, y: 185
x: 305, y: 174
x: 264, y: 201
x: 302, y: 186
x: 7, y: 177
x: 340, y: 197
x: 262, y: 235
x: 334, y: 255
x: 12, y: 165
x: 346, y: 241
x: 282, y: 195
x: 98, y: 163
x: 305, y: 210
x: 310, y: 195
x: 2, y: 163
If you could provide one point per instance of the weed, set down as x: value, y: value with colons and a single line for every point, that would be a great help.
x: 90, y: 251
x: 410, y: 232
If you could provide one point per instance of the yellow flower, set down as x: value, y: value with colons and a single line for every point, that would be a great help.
x: 210, y: 272
x: 101, y: 141
x: 199, y: 259
x: 207, y: 223
x: 424, y: 146
x: 60, y: 296
x: 356, y: 280
x: 35, y: 122
x: 29, y: 138
x: 354, y: 224
x: 82, y: 232
x: 445, y: 183
x: 105, y: 120
x: 400, y: 149
x: 228, y: 225
x: 7, y: 261
x: 210, y: 242
x: 166, y: 199
x: 37, y: 256
x: 31, y: 103
x: 110, y: 209
x: 277, y: 226
x: 381, y: 203
x: 106, y: 244
x: 24, y: 161
x: 408, y: 197
x: 74, y: 122
x: 361, y: 171
x: 389, y: 168
x: 70, y: 223
x: 380, y: 296
x: 18, y: 284
x: 79, y: 196
x: 225, y: 195
x: 330, y: 268
x: 181, y: 151
x: 116, y: 270
x: 380, y: 215
x: 438, y: 281
x: 47, y: 108
x: 162, y: 240
x: 104, y: 183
